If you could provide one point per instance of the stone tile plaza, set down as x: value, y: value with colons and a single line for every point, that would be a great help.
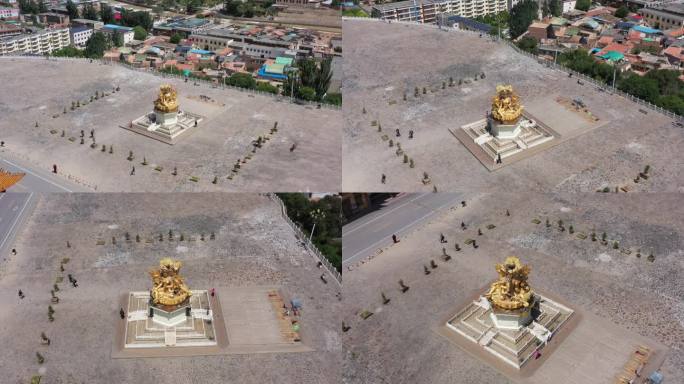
x: 521, y: 288
x: 98, y: 125
x: 436, y: 98
x: 200, y: 288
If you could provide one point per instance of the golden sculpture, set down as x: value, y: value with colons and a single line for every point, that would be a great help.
x: 167, y: 100
x: 506, y: 107
x: 511, y: 291
x: 168, y: 286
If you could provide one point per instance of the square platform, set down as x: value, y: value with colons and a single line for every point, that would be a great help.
x: 533, y: 136
x: 513, y: 347
x: 165, y: 127
x: 197, y: 330
x: 254, y: 322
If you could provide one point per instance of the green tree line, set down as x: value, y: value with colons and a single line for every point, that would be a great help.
x: 326, y: 213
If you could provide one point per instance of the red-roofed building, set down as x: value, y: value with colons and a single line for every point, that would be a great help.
x: 675, y: 55
x: 604, y: 41
x: 622, y: 48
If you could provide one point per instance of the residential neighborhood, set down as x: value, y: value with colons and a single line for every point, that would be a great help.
x: 614, y: 42
x: 202, y: 42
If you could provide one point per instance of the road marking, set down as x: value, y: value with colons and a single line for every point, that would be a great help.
x: 386, y: 213
x: 16, y: 220
x: 397, y: 231
x: 36, y: 175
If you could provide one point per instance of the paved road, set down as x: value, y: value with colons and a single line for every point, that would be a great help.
x: 364, y: 236
x: 14, y: 209
x: 37, y: 180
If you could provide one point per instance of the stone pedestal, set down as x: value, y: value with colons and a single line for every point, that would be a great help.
x: 515, y: 319
x: 512, y: 320
x: 169, y: 317
x: 166, y: 119
x: 504, y: 131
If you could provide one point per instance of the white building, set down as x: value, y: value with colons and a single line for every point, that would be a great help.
x: 426, y: 11
x: 9, y: 13
x: 80, y: 35
x: 126, y: 32
x: 38, y: 43
x: 568, y: 5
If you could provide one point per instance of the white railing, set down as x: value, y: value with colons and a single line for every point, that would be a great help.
x: 605, y: 87
x: 206, y: 82
x: 305, y: 240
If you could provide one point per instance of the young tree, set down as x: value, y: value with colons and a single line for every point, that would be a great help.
x: 117, y: 39
x: 139, y: 33
x: 528, y: 44
x: 96, y: 46
x: 72, y: 10
x: 192, y: 6
x: 522, y: 15
x: 622, y: 12
x: 546, y: 10
x: 556, y: 7
x: 641, y: 87
x: 583, y: 5
x: 175, y: 39
x: 89, y: 12
x: 307, y: 93
x: 242, y: 80
x: 323, y: 76
x: 106, y: 14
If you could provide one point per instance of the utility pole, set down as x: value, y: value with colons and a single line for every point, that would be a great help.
x: 614, y: 70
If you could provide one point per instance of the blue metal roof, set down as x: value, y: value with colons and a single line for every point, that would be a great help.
x: 624, y: 25
x: 643, y: 29
x: 201, y: 51
x: 262, y: 73
x: 117, y: 27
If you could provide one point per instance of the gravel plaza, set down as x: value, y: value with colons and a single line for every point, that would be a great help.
x: 238, y: 244
x: 203, y: 159
x: 384, y: 61
x: 621, y: 299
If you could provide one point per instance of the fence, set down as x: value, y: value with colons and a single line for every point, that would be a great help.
x: 603, y: 86
x: 305, y: 240
x: 196, y: 80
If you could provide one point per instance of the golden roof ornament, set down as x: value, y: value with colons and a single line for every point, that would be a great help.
x: 167, y: 100
x: 506, y: 107
x: 168, y: 287
x: 511, y: 290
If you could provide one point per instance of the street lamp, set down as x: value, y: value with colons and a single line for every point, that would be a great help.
x: 293, y: 79
x: 316, y: 214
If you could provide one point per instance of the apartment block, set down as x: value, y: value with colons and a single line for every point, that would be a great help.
x: 38, y: 43
x: 426, y: 11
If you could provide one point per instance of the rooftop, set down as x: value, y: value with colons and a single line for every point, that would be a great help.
x: 117, y: 27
